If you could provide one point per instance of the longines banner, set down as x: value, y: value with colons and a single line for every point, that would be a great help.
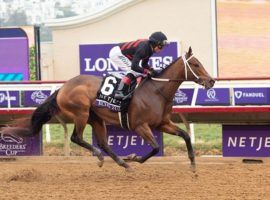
x: 94, y: 58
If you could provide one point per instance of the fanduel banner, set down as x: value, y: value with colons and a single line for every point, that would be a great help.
x: 94, y: 58
x: 124, y: 142
x: 213, y: 96
x: 246, y: 140
x: 253, y: 96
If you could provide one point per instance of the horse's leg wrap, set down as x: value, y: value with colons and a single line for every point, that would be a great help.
x: 74, y: 138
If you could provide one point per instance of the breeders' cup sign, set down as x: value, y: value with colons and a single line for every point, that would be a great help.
x: 253, y: 96
x: 124, y: 143
x: 94, y: 58
x: 246, y: 140
x: 183, y: 97
x: 11, y: 145
x: 35, y: 98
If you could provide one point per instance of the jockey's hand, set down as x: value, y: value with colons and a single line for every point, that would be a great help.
x: 150, y: 72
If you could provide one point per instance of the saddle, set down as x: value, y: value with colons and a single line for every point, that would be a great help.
x: 105, y: 96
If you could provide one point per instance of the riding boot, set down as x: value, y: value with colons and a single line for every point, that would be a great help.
x: 122, y: 89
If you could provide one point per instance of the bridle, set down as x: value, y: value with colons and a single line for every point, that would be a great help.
x: 187, y: 66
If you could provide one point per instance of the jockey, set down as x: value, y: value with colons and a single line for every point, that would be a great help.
x: 129, y: 54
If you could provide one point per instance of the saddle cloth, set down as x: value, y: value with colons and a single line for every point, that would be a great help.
x: 105, y: 98
x: 106, y: 93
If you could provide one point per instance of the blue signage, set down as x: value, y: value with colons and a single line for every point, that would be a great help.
x: 183, y: 97
x: 13, y: 97
x: 252, y: 96
x: 94, y: 58
x: 246, y: 140
x: 213, y: 97
x: 13, y: 145
x: 35, y: 98
x: 124, y: 142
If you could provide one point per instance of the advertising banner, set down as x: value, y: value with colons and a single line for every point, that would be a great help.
x: 35, y: 98
x: 246, y: 140
x: 183, y: 97
x: 14, y: 55
x: 124, y: 142
x: 213, y: 97
x: 9, y: 98
x: 94, y: 58
x: 252, y: 96
x: 11, y: 145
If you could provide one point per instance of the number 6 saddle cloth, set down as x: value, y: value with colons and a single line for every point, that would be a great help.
x: 105, y: 98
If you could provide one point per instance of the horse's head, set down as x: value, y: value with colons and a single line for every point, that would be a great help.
x: 194, y: 71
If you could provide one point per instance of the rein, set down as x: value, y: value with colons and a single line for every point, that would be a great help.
x: 187, y: 66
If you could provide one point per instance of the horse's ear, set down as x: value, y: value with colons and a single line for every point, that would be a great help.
x: 189, y: 52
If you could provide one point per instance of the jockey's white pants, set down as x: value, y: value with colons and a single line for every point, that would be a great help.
x: 121, y: 61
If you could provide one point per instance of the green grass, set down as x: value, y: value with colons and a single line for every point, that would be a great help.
x: 207, y: 138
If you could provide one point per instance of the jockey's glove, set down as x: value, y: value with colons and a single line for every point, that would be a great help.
x: 150, y: 72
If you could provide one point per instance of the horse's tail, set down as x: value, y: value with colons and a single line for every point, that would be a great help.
x: 42, y: 114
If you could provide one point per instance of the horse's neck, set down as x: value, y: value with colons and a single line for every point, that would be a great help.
x: 174, y: 72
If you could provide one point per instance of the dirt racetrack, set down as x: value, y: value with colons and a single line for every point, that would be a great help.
x: 78, y: 177
x: 243, y: 51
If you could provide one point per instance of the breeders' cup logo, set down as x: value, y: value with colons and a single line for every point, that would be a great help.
x: 4, y: 97
x: 10, y: 138
x: 180, y: 97
x: 38, y: 97
x: 211, y: 94
x: 238, y: 94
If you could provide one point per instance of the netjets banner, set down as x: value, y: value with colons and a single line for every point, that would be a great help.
x: 124, y: 143
x: 246, y: 140
x: 94, y: 58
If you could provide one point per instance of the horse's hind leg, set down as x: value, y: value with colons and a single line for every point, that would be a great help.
x: 77, y: 137
x: 173, y: 129
x: 100, y: 131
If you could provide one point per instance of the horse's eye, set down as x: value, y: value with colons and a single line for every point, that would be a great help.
x: 197, y: 65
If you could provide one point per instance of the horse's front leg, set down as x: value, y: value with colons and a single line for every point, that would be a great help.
x: 171, y: 128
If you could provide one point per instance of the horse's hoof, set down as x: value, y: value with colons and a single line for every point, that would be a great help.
x: 100, y: 163
x: 129, y: 169
x: 130, y: 157
x: 193, y: 167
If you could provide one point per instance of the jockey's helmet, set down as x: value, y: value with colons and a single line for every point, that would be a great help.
x: 158, y: 39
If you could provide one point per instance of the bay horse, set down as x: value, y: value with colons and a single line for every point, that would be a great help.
x: 150, y: 108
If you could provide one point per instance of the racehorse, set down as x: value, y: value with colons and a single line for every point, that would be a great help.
x: 150, y: 108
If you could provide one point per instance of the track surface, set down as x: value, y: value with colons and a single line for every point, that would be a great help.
x: 78, y: 177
